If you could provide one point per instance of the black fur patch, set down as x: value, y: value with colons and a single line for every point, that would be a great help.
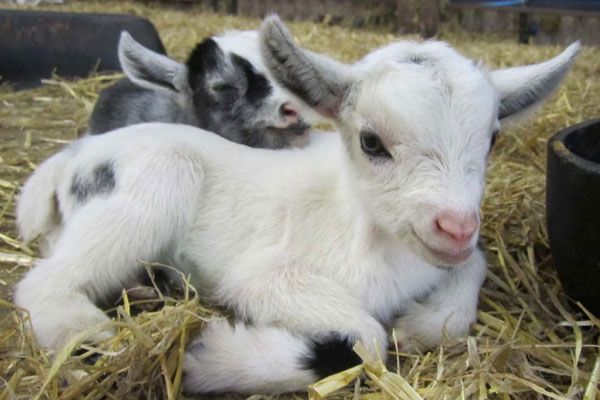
x: 331, y: 355
x: 101, y: 181
x: 207, y: 56
x: 259, y: 86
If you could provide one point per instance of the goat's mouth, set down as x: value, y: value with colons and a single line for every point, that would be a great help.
x: 444, y: 257
x: 297, y: 129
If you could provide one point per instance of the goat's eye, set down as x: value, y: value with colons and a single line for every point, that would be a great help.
x: 224, y: 88
x: 371, y: 145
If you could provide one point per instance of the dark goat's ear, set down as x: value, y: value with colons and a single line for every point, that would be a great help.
x: 207, y: 57
x: 149, y: 69
x: 321, y: 82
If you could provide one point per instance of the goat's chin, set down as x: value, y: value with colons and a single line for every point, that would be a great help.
x: 451, y: 260
x: 300, y: 141
x: 276, y: 138
x: 443, y: 258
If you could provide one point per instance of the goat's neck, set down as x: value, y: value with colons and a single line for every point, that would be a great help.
x: 366, y: 235
x: 357, y: 219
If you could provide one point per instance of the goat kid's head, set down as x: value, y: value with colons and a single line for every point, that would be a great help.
x: 418, y: 121
x: 227, y: 87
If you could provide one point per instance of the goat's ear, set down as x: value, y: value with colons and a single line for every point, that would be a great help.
x: 149, y: 69
x: 320, y: 81
x: 523, y: 88
x: 207, y: 58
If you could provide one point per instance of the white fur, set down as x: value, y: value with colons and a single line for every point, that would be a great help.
x: 240, y: 359
x: 36, y: 211
x: 301, y: 242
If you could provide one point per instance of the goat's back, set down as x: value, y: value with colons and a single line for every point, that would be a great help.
x: 125, y: 103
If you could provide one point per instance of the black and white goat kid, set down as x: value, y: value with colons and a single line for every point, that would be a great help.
x: 365, y: 230
x: 224, y: 88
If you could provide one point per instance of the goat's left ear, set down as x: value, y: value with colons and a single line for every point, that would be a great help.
x: 321, y: 82
x: 150, y: 69
x: 522, y: 88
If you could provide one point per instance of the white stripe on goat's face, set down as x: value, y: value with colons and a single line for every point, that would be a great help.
x: 434, y: 119
x: 418, y: 121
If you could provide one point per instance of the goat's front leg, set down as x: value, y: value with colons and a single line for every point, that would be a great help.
x: 447, y: 312
x: 291, y: 296
x: 312, y: 323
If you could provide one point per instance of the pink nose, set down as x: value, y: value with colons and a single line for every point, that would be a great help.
x: 290, y: 113
x: 459, y: 228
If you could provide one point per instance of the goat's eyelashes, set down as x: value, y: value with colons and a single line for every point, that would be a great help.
x: 371, y: 145
x: 224, y: 88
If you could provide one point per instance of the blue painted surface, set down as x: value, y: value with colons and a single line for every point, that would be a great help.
x: 589, y: 5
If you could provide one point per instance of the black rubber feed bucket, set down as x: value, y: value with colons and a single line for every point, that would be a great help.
x: 34, y: 44
x: 573, y: 210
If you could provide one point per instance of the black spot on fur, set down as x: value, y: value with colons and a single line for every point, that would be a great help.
x: 258, y: 86
x: 101, y: 181
x: 331, y: 355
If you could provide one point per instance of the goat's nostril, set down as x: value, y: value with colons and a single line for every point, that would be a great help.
x: 287, y: 110
x: 439, y: 225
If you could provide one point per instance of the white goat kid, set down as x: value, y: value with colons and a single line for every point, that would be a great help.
x: 316, y: 247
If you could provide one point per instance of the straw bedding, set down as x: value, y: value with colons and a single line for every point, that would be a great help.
x: 529, y: 342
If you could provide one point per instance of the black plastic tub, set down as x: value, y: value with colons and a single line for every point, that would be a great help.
x: 34, y: 44
x: 573, y: 211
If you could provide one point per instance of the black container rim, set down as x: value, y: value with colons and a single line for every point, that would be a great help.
x: 68, y: 14
x: 556, y: 144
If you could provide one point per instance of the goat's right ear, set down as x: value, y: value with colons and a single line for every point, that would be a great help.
x: 150, y: 69
x: 321, y: 82
x: 523, y: 88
